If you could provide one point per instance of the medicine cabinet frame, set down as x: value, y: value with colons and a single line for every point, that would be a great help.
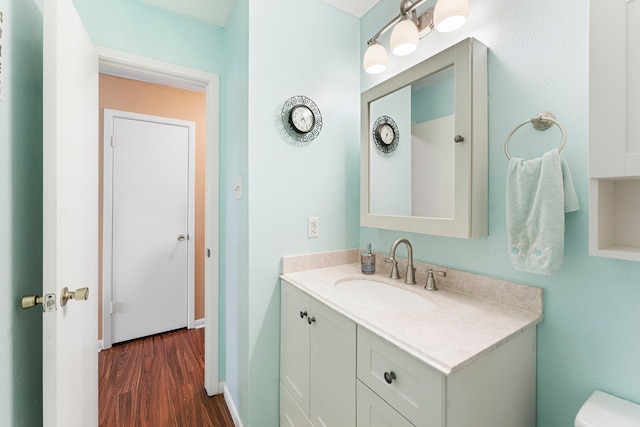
x: 470, y: 213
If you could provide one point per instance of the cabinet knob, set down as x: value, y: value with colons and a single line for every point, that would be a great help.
x: 311, y: 320
x: 389, y: 377
x: 303, y: 314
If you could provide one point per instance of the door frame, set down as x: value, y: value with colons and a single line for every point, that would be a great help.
x: 124, y: 64
x: 107, y: 217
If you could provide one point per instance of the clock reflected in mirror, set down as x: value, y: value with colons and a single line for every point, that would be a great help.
x: 386, y: 135
x: 301, y: 119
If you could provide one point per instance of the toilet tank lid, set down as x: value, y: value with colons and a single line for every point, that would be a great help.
x: 603, y: 410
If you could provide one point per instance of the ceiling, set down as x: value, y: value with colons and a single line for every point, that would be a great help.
x: 216, y: 12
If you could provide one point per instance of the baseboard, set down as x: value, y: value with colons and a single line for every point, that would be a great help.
x: 100, y: 345
x: 199, y: 323
x: 230, y: 404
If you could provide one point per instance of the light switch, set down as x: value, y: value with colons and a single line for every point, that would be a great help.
x: 237, y: 188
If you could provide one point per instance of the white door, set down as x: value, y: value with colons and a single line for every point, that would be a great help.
x: 70, y: 218
x: 149, y: 222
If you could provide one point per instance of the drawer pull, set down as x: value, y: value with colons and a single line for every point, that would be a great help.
x: 311, y: 320
x: 389, y: 377
x: 303, y: 314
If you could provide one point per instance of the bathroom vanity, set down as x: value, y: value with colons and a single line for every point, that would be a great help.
x: 398, y: 355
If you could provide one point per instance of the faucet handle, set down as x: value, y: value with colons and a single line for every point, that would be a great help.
x: 431, y: 281
x: 394, y: 270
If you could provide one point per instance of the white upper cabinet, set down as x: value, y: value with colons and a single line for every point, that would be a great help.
x: 614, y: 88
x: 614, y: 128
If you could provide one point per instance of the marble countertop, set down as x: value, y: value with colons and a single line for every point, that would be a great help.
x: 459, y: 330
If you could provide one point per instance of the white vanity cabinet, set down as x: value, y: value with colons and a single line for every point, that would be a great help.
x: 317, y: 363
x: 614, y: 128
x: 336, y: 374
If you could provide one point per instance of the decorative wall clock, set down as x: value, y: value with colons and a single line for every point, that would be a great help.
x: 301, y: 118
x: 385, y: 135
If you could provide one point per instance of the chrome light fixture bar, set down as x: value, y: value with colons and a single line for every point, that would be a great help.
x: 409, y: 28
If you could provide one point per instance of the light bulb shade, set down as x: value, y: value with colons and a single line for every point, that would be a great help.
x: 449, y: 15
x: 375, y: 58
x: 404, y: 38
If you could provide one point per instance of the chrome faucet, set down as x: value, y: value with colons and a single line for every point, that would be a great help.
x: 411, y: 271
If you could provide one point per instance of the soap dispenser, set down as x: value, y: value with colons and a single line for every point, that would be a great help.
x: 368, y: 261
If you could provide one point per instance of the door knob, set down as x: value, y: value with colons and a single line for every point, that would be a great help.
x: 181, y: 237
x: 82, y: 294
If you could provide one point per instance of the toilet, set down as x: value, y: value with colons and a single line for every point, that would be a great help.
x: 605, y: 410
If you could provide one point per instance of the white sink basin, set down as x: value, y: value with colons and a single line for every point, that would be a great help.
x: 381, y: 296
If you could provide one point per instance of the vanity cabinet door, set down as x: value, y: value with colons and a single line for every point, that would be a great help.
x: 333, y: 368
x: 295, y: 344
x: 317, y: 363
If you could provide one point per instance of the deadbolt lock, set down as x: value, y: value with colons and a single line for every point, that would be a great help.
x: 81, y: 294
x: 48, y: 302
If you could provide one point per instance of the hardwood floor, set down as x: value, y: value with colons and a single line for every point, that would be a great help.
x: 158, y: 381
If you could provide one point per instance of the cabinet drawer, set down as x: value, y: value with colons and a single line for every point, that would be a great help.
x: 375, y: 412
x: 416, y: 391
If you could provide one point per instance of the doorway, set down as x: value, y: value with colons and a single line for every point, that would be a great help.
x: 122, y: 64
x: 148, y: 223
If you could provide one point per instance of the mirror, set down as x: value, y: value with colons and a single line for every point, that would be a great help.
x: 424, y: 146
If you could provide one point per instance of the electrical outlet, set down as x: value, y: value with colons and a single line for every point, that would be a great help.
x: 313, y: 225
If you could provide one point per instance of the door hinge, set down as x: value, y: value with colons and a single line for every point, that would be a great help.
x: 113, y: 140
x: 111, y: 308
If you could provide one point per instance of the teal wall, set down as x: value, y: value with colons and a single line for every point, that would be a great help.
x: 135, y: 27
x: 304, y: 47
x: 21, y: 213
x: 234, y: 233
x: 538, y: 62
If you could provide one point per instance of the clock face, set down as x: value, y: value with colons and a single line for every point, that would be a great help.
x: 302, y: 118
x: 385, y: 135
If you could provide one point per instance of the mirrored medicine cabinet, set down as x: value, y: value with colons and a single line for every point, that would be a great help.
x: 424, y: 147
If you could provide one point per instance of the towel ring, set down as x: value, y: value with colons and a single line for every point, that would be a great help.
x: 542, y: 121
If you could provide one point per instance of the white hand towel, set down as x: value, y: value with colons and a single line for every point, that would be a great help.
x: 539, y: 192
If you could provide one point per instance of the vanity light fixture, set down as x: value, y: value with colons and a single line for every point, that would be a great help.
x: 409, y: 28
x: 404, y: 37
